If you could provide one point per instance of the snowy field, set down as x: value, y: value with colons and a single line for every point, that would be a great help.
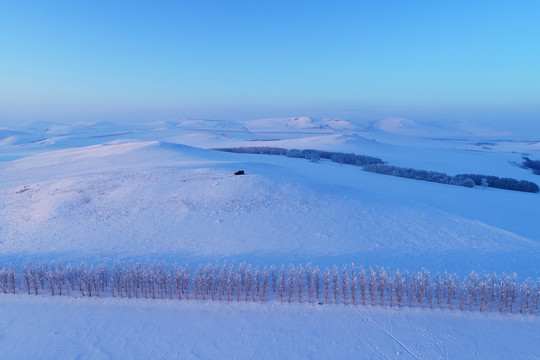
x: 104, y: 192
x: 62, y: 328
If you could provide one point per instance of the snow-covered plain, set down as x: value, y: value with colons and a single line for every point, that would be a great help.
x: 101, y: 192
x: 62, y: 328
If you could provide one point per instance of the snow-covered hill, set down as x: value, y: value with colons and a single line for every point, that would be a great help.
x: 154, y: 199
x: 101, y: 192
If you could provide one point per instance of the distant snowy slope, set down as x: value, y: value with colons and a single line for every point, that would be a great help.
x: 338, y: 124
x: 411, y: 128
x: 438, y: 147
x: 283, y: 124
x: 103, y: 157
x: 302, y: 123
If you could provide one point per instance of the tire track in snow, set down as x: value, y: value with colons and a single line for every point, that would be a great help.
x: 369, y: 321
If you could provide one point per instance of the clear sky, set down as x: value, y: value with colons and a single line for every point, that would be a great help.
x: 425, y: 60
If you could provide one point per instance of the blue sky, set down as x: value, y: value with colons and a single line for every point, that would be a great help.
x: 425, y: 60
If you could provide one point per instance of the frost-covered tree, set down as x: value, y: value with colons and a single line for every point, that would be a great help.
x: 344, y: 283
x: 326, y: 285
x: 257, y: 283
x: 249, y: 279
x: 362, y: 281
x: 291, y: 281
x: 382, y: 277
x: 335, y: 281
x: 475, y: 292
x: 317, y: 275
x: 309, y: 281
x: 281, y: 283
x: 353, y: 281
x: 264, y: 284
x: 273, y: 271
x: 371, y: 284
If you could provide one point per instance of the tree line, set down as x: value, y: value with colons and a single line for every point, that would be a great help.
x: 534, y: 165
x: 348, y: 284
x: 466, y: 180
x: 376, y: 165
x: 312, y: 155
x: 424, y: 175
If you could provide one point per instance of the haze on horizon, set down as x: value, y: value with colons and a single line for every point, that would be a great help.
x: 435, y: 62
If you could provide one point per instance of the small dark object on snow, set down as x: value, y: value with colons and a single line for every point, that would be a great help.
x: 241, y: 172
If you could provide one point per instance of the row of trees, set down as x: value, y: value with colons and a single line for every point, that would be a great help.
x: 378, y: 166
x: 312, y: 155
x: 424, y: 175
x: 502, y: 183
x: 349, y: 284
x: 534, y: 165
x: 467, y: 180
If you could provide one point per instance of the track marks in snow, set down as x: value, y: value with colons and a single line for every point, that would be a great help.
x: 368, y: 320
x: 409, y: 339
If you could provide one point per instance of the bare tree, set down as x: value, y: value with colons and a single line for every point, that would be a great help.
x: 273, y: 271
x: 399, y: 283
x: 326, y: 284
x: 354, y: 280
x: 344, y: 283
x: 371, y: 283
x: 291, y: 281
x: 281, y: 283
x: 362, y: 282
x: 264, y: 283
x: 27, y: 277
x: 309, y: 281
x: 257, y: 283
x: 382, y: 283
x: 476, y: 292
x: 317, y: 281
x: 249, y: 279
x: 299, y: 281
x: 335, y: 281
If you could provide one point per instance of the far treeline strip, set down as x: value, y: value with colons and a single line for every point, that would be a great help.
x: 376, y: 165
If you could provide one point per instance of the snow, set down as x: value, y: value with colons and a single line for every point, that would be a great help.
x: 169, y: 199
x: 282, y: 124
x: 84, y: 328
x: 102, y: 192
x: 411, y: 128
